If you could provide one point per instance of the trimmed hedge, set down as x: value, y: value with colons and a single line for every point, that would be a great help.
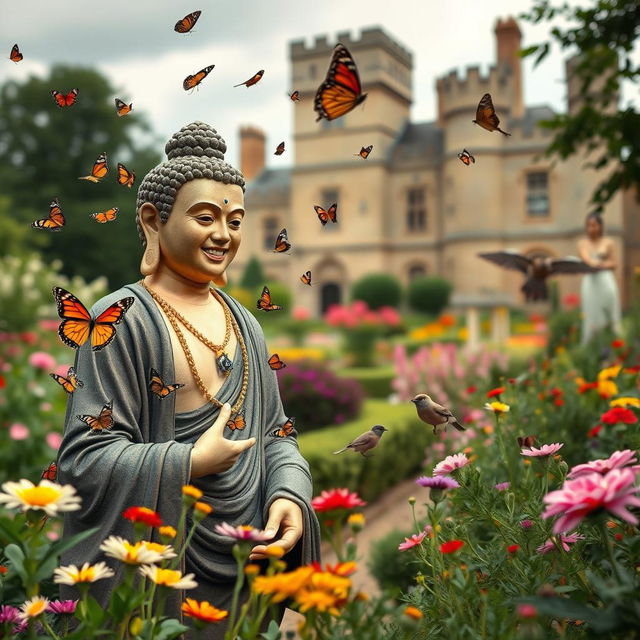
x: 400, y: 453
x: 376, y: 381
x: 378, y: 290
x: 429, y: 294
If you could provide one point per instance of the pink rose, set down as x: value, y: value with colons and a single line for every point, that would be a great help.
x: 301, y: 313
x: 54, y: 439
x: 42, y: 360
x: 18, y: 431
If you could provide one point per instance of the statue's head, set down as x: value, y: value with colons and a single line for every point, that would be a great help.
x: 190, y: 208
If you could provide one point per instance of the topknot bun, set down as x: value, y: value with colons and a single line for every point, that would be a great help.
x: 196, y: 139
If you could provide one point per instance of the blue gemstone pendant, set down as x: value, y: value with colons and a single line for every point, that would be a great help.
x: 224, y: 364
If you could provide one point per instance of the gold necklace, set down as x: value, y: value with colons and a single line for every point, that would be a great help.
x: 173, y: 316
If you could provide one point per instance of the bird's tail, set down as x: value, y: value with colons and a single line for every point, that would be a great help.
x: 340, y: 450
x: 535, y: 289
x: 457, y: 425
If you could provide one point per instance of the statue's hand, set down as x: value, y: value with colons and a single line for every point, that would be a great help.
x: 212, y: 452
x: 286, y: 521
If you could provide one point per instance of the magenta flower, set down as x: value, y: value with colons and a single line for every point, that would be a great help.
x: 503, y: 486
x: 42, y: 360
x: 411, y: 542
x: 439, y: 482
x: 565, y: 541
x: 544, y: 451
x: 54, y: 440
x: 19, y: 431
x: 592, y: 493
x: 450, y: 463
x: 526, y: 524
x: 616, y: 460
x: 9, y: 614
x: 63, y: 607
x: 243, y: 532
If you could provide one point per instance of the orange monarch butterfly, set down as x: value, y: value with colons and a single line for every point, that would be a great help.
x: 54, y: 222
x: 285, y: 430
x: 466, y: 157
x: 279, y: 150
x: 252, y: 80
x: 306, y: 278
x: 51, y: 472
x: 157, y: 385
x: 15, y: 55
x: 526, y: 441
x: 193, y: 81
x: 486, y: 115
x: 187, y: 23
x: 295, y: 96
x: 77, y: 325
x: 122, y: 108
x: 65, y: 100
x: 104, y: 420
x: 364, y: 152
x: 275, y: 363
x: 325, y: 216
x: 341, y: 91
x: 125, y: 176
x: 238, y: 422
x: 106, y: 216
x: 282, y: 242
x: 264, y: 303
x: 99, y: 169
x: 70, y: 383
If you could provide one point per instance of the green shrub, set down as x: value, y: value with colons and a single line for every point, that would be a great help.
x: 253, y: 275
x: 376, y: 381
x: 429, y: 294
x: 393, y: 570
x: 400, y: 453
x: 280, y: 295
x: 378, y: 290
x: 564, y: 330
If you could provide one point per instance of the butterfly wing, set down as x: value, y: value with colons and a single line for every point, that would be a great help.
x: 125, y: 177
x: 279, y: 150
x: 295, y: 96
x: 100, y: 168
x: 51, y: 472
x: 237, y: 422
x: 15, y: 55
x: 275, y: 363
x: 54, y: 222
x: 104, y: 420
x: 306, y: 278
x: 157, y: 386
x: 285, y: 430
x: 70, y: 383
x: 193, y: 81
x: 265, y: 299
x: 122, y: 108
x: 63, y: 100
x: 104, y: 325
x: 486, y: 115
x: 105, y: 216
x: 282, y: 242
x: 333, y: 213
x: 187, y: 23
x: 322, y: 215
x: 76, y: 321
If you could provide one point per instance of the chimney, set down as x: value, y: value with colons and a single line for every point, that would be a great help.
x: 508, y: 39
x: 252, y: 159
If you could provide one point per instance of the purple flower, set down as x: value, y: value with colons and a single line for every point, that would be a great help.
x: 243, y: 532
x: 526, y: 524
x: 564, y: 541
x: 9, y: 614
x: 503, y: 486
x: 437, y: 482
x: 62, y: 607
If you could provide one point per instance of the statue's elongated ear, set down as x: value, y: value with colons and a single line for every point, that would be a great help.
x: 149, y: 218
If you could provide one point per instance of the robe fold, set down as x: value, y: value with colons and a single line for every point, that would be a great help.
x: 145, y: 458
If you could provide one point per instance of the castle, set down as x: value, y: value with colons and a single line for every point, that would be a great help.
x: 413, y: 208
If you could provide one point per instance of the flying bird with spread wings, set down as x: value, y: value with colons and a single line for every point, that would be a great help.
x: 537, y: 269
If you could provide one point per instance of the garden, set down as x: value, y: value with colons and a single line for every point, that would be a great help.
x: 524, y: 525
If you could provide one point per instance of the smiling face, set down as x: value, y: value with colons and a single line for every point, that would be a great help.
x: 202, y: 235
x: 593, y: 228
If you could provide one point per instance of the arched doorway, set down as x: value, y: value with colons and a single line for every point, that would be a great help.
x: 330, y: 293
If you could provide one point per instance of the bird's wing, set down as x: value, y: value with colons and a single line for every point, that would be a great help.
x: 508, y: 260
x: 441, y: 411
x: 362, y: 439
x: 571, y: 265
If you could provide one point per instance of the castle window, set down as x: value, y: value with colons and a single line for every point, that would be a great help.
x: 271, y: 229
x: 417, y: 271
x: 328, y: 197
x: 538, y: 194
x: 416, y: 209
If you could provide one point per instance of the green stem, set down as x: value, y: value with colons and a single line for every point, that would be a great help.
x: 47, y: 626
x: 609, y: 547
x: 233, y: 623
x: 502, y: 448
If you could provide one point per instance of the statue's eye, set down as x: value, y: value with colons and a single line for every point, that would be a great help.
x: 235, y: 223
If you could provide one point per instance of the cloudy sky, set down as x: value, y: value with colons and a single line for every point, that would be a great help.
x: 133, y: 42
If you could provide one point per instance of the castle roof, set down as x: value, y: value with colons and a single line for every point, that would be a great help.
x: 271, y: 188
x: 532, y: 116
x: 418, y: 142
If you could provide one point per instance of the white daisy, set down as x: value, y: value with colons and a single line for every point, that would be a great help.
x: 138, y: 553
x: 169, y: 577
x: 88, y: 573
x: 47, y: 496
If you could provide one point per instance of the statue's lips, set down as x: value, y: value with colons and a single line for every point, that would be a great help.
x: 215, y: 257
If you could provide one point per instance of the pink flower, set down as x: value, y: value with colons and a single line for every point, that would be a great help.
x: 63, y: 607
x: 54, y: 439
x: 42, y: 360
x: 336, y: 499
x: 62, y: 370
x: 564, y: 541
x: 301, y: 313
x: 544, y: 451
x: 526, y: 611
x: 591, y: 493
x: 450, y: 463
x: 503, y: 486
x: 9, y: 614
x: 526, y: 523
x: 49, y: 325
x: 616, y: 460
x: 439, y: 482
x: 411, y: 542
x: 243, y: 532
x: 18, y: 431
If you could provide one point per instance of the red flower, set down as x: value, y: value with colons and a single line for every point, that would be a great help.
x: 594, y: 431
x: 617, y: 344
x: 472, y: 389
x: 143, y: 514
x: 558, y: 401
x: 3, y: 382
x: 512, y: 548
x: 451, y: 546
x: 587, y: 386
x: 618, y: 536
x: 635, y: 369
x: 336, y: 499
x: 619, y: 414
x: 495, y: 392
x: 3, y: 569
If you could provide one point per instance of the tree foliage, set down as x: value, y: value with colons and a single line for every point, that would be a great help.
x: 43, y: 151
x: 253, y: 274
x: 378, y: 290
x: 603, y: 36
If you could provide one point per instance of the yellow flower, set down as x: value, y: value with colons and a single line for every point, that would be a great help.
x: 138, y: 553
x: 252, y: 570
x: 165, y: 550
x: 34, y: 607
x: 413, y: 613
x: 356, y: 521
x: 330, y: 582
x: 168, y: 577
x: 318, y: 599
x: 627, y: 401
x: 191, y: 491
x: 282, y: 585
x: 203, y: 508
x: 47, y: 496
x: 168, y: 532
x: 609, y: 372
x: 497, y: 407
x: 274, y: 551
x: 607, y: 388
x: 135, y: 626
x: 88, y: 573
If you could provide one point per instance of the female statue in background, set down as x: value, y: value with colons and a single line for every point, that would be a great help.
x: 190, y: 211
x: 599, y: 293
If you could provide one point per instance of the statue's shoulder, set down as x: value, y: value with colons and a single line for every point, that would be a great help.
x: 131, y: 293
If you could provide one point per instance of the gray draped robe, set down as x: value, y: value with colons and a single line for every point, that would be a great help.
x: 144, y: 460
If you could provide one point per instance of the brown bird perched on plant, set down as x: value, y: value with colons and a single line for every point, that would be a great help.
x: 537, y: 269
x: 435, y: 414
x: 365, y: 441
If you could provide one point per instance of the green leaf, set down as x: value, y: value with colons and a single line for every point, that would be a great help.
x: 95, y: 611
x: 16, y: 556
x: 11, y: 530
x: 59, y: 547
x: 168, y: 629
x: 523, y: 53
x: 272, y: 632
x: 542, y: 55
